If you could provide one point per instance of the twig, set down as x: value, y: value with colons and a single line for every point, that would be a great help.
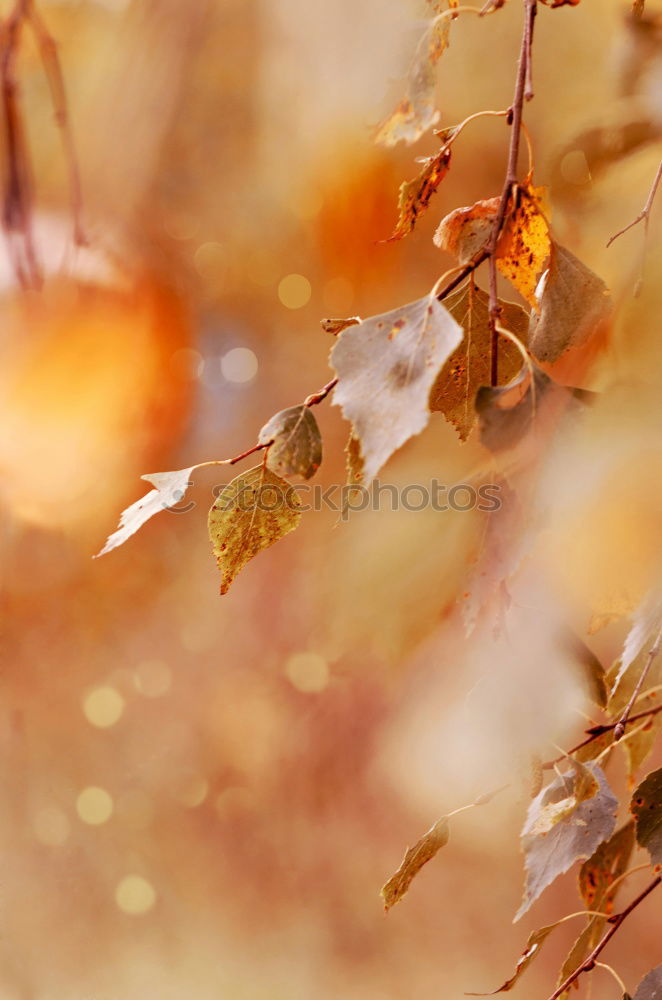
x: 317, y: 397
x: 523, y: 91
x: 596, y: 731
x: 644, y: 215
x: 619, y: 728
x: 616, y: 920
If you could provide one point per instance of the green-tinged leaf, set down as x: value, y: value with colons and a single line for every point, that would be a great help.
x: 386, y: 367
x: 646, y: 807
x: 573, y: 304
x: 423, y: 851
x: 469, y: 366
x: 297, y: 442
x: 253, y: 511
x: 531, y: 951
x: 414, y: 196
x: 170, y: 488
x: 576, y: 835
x: 650, y: 987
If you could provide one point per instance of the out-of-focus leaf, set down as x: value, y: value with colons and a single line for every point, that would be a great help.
x: 646, y: 622
x: 639, y: 745
x: 354, y: 462
x: 336, y: 326
x: 561, y: 3
x: 414, y: 196
x: 592, y: 669
x: 466, y: 232
x: 469, y: 367
x: 416, y: 113
x: 386, y: 367
x: 252, y: 512
x: 297, y: 442
x: 532, y: 950
x: 650, y: 987
x: 646, y: 807
x: 574, y: 306
x: 423, y: 851
x: 170, y: 488
x: 524, y: 244
x: 577, y: 835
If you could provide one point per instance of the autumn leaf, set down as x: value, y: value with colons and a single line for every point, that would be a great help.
x: 650, y: 987
x: 469, y: 367
x: 415, y: 195
x: 170, y: 488
x: 590, y: 666
x: 596, y: 877
x: 423, y: 851
x: 386, y: 367
x: 336, y: 326
x: 297, y: 443
x: 524, y: 244
x: 646, y: 622
x: 640, y: 738
x: 252, y: 512
x: 416, y: 112
x: 354, y: 462
x: 646, y: 807
x: 576, y: 835
x: 574, y: 306
x: 533, y: 945
x: 466, y: 232
x: 584, y: 786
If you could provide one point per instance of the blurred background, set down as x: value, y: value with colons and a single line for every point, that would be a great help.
x: 201, y: 797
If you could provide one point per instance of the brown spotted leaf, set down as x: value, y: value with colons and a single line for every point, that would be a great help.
x: 469, y: 367
x: 574, y: 306
x: 423, y: 851
x: 251, y: 513
x: 524, y: 244
x: 386, y: 367
x: 646, y: 807
x: 414, y: 196
x: 576, y: 835
x: 297, y: 442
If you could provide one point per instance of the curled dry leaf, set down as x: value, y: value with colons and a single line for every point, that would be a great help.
x: 551, y: 852
x: 336, y: 326
x: 297, y: 443
x: 650, y: 987
x: 533, y: 945
x: 466, y: 232
x: 574, y: 307
x: 646, y: 807
x: 423, y: 851
x: 386, y: 367
x: 170, y: 488
x: 253, y: 511
x: 596, y: 877
x: 416, y: 113
x: 415, y: 195
x: 469, y: 367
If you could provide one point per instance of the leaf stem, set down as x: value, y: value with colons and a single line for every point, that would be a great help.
x: 616, y: 920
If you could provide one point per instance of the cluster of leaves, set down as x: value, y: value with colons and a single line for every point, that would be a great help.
x: 507, y: 372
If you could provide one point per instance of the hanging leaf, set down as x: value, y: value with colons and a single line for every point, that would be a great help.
x: 386, y: 367
x: 584, y: 786
x: 423, y: 851
x: 415, y: 195
x: 466, y: 232
x: 646, y: 807
x: 252, y: 512
x: 646, y: 622
x: 524, y: 244
x: 573, y: 308
x: 416, y: 112
x: 170, y: 488
x: 576, y: 835
x: 650, y: 987
x: 297, y: 442
x: 639, y: 745
x: 469, y: 367
x: 532, y: 950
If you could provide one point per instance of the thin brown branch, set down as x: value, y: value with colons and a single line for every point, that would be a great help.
x: 616, y: 920
x: 595, y: 732
x: 644, y: 215
x: 318, y: 397
x: 619, y: 728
